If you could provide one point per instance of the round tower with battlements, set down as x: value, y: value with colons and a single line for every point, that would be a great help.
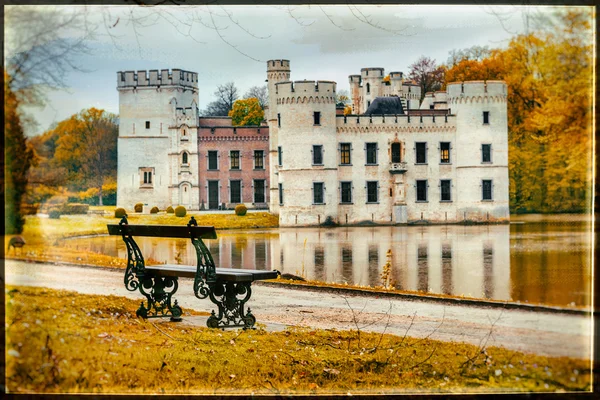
x: 372, y: 80
x: 308, y: 142
x: 277, y: 71
x: 482, y: 162
x: 158, y: 141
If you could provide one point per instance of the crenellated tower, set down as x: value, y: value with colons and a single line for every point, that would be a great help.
x: 158, y: 144
x: 277, y: 71
x: 307, y: 119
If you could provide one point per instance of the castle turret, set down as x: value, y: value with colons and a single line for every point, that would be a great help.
x: 355, y: 93
x: 371, y: 85
x: 157, y: 144
x: 481, y: 119
x: 277, y: 71
x: 307, y: 137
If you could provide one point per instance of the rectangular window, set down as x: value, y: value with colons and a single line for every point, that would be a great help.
x: 371, y: 153
x: 317, y: 155
x: 421, y: 152
x: 234, y: 156
x: 372, y: 192
x: 213, y: 161
x: 422, y: 190
x: 259, y: 159
x: 147, y: 124
x: 396, y: 152
x: 346, y: 192
x: 486, y: 117
x: 146, y: 177
x: 279, y: 156
x: 281, y: 194
x: 445, y: 185
x: 235, y: 191
x: 317, y: 117
x: 486, y: 186
x: 318, y: 195
x: 345, y: 153
x: 445, y: 152
x: 486, y: 153
x: 278, y: 120
x: 259, y: 190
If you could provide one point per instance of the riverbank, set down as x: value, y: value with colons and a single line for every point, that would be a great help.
x: 59, y: 341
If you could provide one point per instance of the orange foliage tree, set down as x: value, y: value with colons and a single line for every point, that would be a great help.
x: 247, y: 112
x: 549, y: 79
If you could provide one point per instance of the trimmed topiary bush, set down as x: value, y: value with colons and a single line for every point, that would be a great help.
x: 154, y: 210
x: 74, y: 208
x: 120, y: 212
x: 180, y: 211
x: 139, y: 207
x: 54, y: 214
x: 241, y: 210
x: 170, y: 210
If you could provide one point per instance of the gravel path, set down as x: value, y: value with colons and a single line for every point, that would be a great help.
x: 542, y: 333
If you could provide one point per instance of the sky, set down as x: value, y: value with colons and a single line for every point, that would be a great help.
x: 321, y: 42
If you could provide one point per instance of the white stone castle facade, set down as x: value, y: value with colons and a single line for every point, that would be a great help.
x: 445, y: 160
x: 442, y: 161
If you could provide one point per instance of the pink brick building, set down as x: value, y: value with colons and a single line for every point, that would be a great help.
x: 233, y: 164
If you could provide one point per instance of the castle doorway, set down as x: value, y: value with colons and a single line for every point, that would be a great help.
x: 184, y: 195
x: 213, y: 195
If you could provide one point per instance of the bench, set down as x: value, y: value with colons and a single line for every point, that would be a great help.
x: 228, y: 288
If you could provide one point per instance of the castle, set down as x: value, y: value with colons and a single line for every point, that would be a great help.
x: 394, y: 160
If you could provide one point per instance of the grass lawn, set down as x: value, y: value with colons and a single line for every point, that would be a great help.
x: 59, y: 341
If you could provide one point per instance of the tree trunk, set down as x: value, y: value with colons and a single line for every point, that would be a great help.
x: 100, y: 196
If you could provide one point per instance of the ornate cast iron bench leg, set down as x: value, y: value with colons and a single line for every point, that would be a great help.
x: 230, y: 297
x: 159, y: 291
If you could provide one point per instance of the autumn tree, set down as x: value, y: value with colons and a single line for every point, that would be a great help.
x: 18, y: 159
x: 427, y: 74
x: 342, y: 97
x: 549, y: 79
x: 247, y: 112
x: 259, y: 92
x: 226, y: 95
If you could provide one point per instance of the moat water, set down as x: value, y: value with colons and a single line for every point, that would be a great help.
x: 535, y: 259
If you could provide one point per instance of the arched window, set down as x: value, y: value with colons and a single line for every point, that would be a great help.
x: 368, y: 88
x: 184, y: 158
x: 396, y: 152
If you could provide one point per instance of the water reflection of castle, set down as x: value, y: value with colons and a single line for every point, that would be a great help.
x: 451, y: 259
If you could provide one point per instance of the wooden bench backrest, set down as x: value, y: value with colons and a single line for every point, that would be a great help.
x: 173, y: 231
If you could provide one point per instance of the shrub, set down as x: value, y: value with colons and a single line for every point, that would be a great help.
x: 120, y: 212
x: 170, y: 210
x: 29, y: 209
x: 241, y: 210
x: 180, y: 211
x: 74, y: 208
x: 154, y: 210
x: 54, y: 213
x: 139, y: 207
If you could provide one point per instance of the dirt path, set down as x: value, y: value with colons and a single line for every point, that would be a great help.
x: 536, y: 332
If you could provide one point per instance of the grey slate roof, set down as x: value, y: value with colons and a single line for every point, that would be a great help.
x: 385, y: 105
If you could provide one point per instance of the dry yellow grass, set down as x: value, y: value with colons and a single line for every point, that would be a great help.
x: 63, y: 342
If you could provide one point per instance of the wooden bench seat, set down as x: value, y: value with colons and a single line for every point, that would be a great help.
x: 228, y: 288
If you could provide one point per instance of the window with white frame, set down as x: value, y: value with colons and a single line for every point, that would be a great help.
x: 372, y: 192
x: 317, y: 155
x: 422, y: 190
x: 234, y: 159
x: 213, y: 160
x: 346, y: 192
x: 445, y: 190
x: 371, y: 153
x: 146, y: 177
x: 487, y: 190
x: 318, y: 193
x: 235, y: 191
x: 259, y: 157
x: 345, y: 151
x: 486, y: 153
x: 259, y: 190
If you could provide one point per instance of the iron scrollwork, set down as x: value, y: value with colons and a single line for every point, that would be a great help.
x: 226, y: 295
